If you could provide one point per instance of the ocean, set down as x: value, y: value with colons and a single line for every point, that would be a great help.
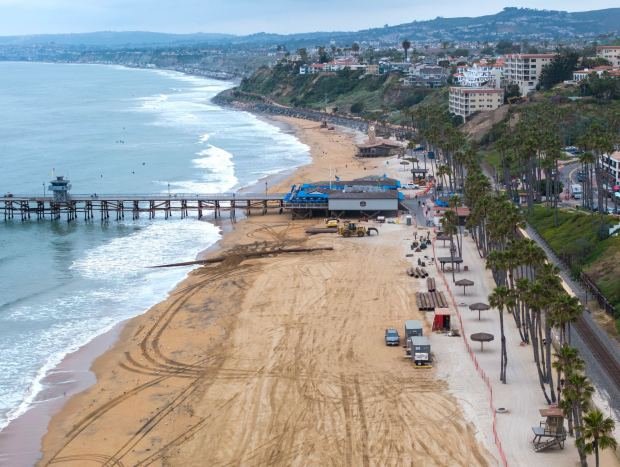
x: 109, y: 130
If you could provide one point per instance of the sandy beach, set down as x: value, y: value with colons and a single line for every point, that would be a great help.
x: 278, y: 360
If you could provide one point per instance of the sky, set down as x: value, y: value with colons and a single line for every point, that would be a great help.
x: 19, y: 17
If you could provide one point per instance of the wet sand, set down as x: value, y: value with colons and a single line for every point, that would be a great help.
x: 278, y: 360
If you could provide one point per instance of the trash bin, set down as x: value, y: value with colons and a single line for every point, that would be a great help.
x: 408, y: 218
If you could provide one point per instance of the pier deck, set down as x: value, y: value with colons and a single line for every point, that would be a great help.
x: 107, y: 206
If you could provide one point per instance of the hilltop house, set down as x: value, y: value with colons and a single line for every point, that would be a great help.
x: 335, y: 65
x: 580, y: 75
x: 426, y: 76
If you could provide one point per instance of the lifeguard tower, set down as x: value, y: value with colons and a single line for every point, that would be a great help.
x: 60, y: 189
x: 550, y: 431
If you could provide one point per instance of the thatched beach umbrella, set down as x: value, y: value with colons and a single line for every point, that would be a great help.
x: 479, y: 306
x: 443, y: 237
x: 464, y: 283
x: 482, y: 337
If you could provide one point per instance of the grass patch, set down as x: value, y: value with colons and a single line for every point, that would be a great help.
x: 491, y: 157
x: 579, y: 239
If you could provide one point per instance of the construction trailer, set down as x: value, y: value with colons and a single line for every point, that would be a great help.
x: 413, y: 327
x: 420, y: 350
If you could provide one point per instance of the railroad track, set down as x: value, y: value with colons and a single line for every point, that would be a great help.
x: 607, y: 361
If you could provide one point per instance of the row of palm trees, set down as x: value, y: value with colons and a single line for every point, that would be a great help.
x: 530, y: 149
x: 528, y: 288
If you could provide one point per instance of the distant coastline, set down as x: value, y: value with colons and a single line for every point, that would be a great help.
x: 190, y: 71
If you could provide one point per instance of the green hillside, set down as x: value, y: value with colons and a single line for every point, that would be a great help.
x: 580, y: 240
x: 345, y: 91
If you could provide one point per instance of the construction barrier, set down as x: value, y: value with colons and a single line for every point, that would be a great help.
x: 481, y: 373
x: 428, y: 187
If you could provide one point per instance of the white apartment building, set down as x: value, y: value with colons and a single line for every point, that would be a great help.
x: 609, y: 52
x: 611, y: 164
x: 524, y: 70
x: 464, y: 101
x: 478, y: 75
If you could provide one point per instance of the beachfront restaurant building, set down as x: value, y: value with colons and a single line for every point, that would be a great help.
x: 370, y: 196
x: 379, y: 148
x: 385, y: 202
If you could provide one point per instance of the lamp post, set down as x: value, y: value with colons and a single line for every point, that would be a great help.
x: 43, y: 189
x: 266, y: 188
x: 168, y: 189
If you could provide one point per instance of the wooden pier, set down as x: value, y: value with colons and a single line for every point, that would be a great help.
x: 120, y: 207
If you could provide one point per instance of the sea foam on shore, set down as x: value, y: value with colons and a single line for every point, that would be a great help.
x: 67, y: 283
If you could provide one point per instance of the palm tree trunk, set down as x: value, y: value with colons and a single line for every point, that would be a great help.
x: 548, y: 360
x: 596, y: 452
x: 541, y: 377
x: 555, y: 199
x: 578, y: 424
x: 504, y: 353
x: 452, y: 257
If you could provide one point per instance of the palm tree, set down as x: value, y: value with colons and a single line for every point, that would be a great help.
x: 597, y: 433
x: 564, y: 311
x: 587, y: 160
x: 406, y: 46
x: 442, y: 172
x: 449, y: 225
x: 548, y: 275
x: 567, y: 362
x: 578, y: 393
x: 501, y: 298
x: 454, y: 203
x: 535, y: 296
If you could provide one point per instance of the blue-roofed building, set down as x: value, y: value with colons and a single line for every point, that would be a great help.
x: 371, y: 196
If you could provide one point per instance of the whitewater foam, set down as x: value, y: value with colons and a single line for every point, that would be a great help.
x: 94, y: 276
x: 127, y: 289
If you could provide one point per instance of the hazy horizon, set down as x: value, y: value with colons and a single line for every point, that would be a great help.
x: 241, y: 17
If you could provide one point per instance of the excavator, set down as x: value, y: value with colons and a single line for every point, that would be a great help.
x: 350, y: 229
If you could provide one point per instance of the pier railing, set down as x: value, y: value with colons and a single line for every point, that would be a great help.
x: 147, y: 196
x: 28, y: 206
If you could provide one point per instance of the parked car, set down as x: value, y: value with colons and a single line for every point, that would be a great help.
x: 392, y: 337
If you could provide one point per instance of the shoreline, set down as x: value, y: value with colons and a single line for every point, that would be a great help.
x: 22, y: 436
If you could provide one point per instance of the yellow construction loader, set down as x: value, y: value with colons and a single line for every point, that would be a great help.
x: 332, y: 223
x: 349, y: 229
